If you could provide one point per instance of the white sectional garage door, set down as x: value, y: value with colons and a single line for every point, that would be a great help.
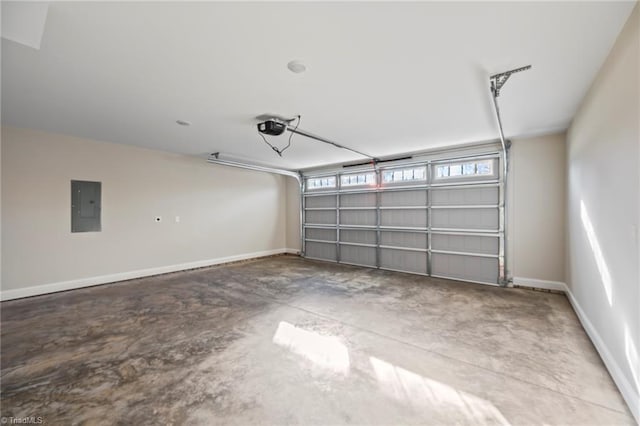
x: 439, y: 217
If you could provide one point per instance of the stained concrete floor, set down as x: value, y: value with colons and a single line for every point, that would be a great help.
x: 284, y: 340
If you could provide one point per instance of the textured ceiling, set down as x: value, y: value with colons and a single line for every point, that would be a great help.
x: 384, y: 78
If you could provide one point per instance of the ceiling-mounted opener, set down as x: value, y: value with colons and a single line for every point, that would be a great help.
x: 275, y: 125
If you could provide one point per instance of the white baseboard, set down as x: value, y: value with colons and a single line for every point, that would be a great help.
x: 536, y: 283
x: 627, y: 390
x: 122, y: 276
x: 292, y: 251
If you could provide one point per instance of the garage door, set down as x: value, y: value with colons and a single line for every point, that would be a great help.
x: 439, y: 217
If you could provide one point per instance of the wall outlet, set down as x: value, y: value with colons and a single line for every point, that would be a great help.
x: 158, y: 219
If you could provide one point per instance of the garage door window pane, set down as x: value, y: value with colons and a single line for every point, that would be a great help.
x: 469, y: 169
x: 442, y: 171
x: 485, y: 167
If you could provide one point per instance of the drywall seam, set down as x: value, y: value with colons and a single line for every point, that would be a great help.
x: 536, y: 283
x: 631, y: 397
x: 122, y: 276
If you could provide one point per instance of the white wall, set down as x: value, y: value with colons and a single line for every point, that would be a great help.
x: 224, y: 212
x: 603, y: 211
x: 536, y: 221
x: 0, y: 211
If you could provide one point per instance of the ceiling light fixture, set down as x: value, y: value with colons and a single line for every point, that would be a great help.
x: 183, y: 122
x: 296, y: 67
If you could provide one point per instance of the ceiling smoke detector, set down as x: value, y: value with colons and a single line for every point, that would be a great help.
x: 296, y: 67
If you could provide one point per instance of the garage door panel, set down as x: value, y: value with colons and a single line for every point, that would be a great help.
x: 404, y: 239
x: 465, y: 243
x: 403, y: 198
x: 444, y: 223
x: 358, y: 236
x: 404, y: 218
x: 465, y: 196
x: 486, y: 219
x: 324, y: 217
x: 322, y: 201
x: 402, y: 260
x: 325, y: 251
x: 358, y: 200
x: 358, y: 255
x: 470, y: 268
x: 320, y: 234
x: 358, y: 217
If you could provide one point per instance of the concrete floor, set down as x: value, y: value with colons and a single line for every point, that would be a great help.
x: 288, y: 341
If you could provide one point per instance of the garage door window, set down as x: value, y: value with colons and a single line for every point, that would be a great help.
x: 359, y: 179
x: 321, y: 183
x: 467, y: 169
x: 404, y: 175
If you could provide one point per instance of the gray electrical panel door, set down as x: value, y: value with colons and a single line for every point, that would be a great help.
x: 85, y: 206
x: 442, y: 217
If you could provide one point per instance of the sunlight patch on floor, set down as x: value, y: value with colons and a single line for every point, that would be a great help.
x: 423, y: 393
x: 326, y: 352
